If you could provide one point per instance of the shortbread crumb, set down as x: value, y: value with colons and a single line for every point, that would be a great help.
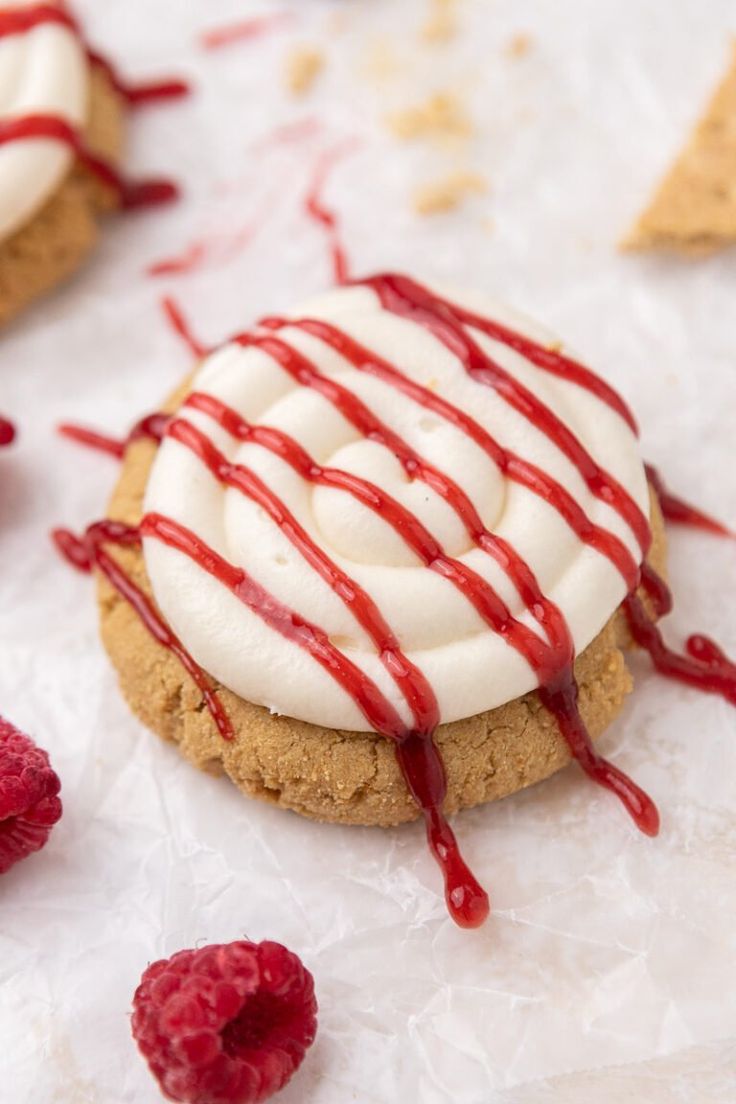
x: 441, y: 24
x: 303, y: 65
x: 519, y: 45
x: 443, y: 115
x: 447, y: 194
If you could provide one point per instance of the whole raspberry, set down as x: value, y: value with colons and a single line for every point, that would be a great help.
x: 29, y: 802
x: 225, y: 1024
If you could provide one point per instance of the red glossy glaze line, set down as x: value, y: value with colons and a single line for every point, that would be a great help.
x: 88, y: 551
x: 90, y: 438
x: 424, y: 772
x: 562, y: 702
x: 323, y: 215
x: 466, y: 900
x: 7, y: 432
x: 245, y: 30
x: 143, y: 193
x: 152, y: 426
x: 549, y: 360
x: 706, y: 667
x: 680, y: 512
x: 187, y: 261
x: 406, y: 298
x: 513, y: 466
x: 144, y: 92
x: 179, y: 323
x: 15, y: 21
x: 409, y: 679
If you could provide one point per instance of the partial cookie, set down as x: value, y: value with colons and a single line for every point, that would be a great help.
x: 694, y: 209
x: 56, y: 241
x: 335, y: 775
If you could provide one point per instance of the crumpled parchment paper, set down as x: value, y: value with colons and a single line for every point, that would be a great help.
x: 608, y: 969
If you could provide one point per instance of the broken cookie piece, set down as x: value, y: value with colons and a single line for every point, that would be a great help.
x: 694, y: 209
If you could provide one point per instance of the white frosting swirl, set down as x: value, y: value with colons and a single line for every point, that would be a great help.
x: 469, y: 666
x: 44, y: 70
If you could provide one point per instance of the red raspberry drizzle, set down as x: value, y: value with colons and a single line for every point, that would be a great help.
x: 152, y: 427
x: 680, y: 512
x: 85, y: 552
x: 14, y: 21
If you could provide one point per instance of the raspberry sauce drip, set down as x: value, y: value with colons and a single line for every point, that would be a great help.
x: 324, y: 216
x: 88, y: 551
x: 151, y: 427
x: 245, y: 30
x: 680, y: 512
x: 705, y: 667
x: 130, y: 194
x: 7, y: 432
x: 179, y: 323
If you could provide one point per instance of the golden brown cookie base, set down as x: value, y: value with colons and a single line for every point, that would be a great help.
x: 58, y: 238
x: 334, y: 775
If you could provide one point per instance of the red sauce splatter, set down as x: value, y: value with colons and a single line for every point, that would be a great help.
x: 176, y: 318
x: 680, y: 512
x: 705, y: 667
x: 245, y: 30
x: 323, y: 215
x: 152, y: 427
x: 7, y: 432
x: 290, y: 133
x: 187, y: 261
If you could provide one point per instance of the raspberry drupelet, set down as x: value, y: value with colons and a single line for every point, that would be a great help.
x: 29, y: 796
x: 225, y: 1024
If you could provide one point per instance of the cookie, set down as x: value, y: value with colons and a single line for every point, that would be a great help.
x: 57, y: 239
x: 332, y: 770
x: 694, y: 208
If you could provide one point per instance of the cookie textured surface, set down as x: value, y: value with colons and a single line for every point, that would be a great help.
x: 59, y: 237
x: 694, y: 209
x: 335, y: 775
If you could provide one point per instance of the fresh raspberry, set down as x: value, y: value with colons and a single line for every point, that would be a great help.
x: 29, y: 802
x: 225, y: 1024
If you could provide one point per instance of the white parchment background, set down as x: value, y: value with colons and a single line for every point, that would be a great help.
x: 608, y: 969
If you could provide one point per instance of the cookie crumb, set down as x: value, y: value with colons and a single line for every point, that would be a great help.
x: 447, y: 194
x: 519, y: 45
x: 441, y: 23
x: 694, y: 209
x: 380, y: 61
x: 441, y: 116
x: 303, y: 65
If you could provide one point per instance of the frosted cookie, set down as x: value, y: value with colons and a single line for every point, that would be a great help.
x: 62, y: 111
x: 377, y: 562
x: 694, y: 208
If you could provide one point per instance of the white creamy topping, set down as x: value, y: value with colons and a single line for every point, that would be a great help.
x: 469, y: 666
x: 45, y: 71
